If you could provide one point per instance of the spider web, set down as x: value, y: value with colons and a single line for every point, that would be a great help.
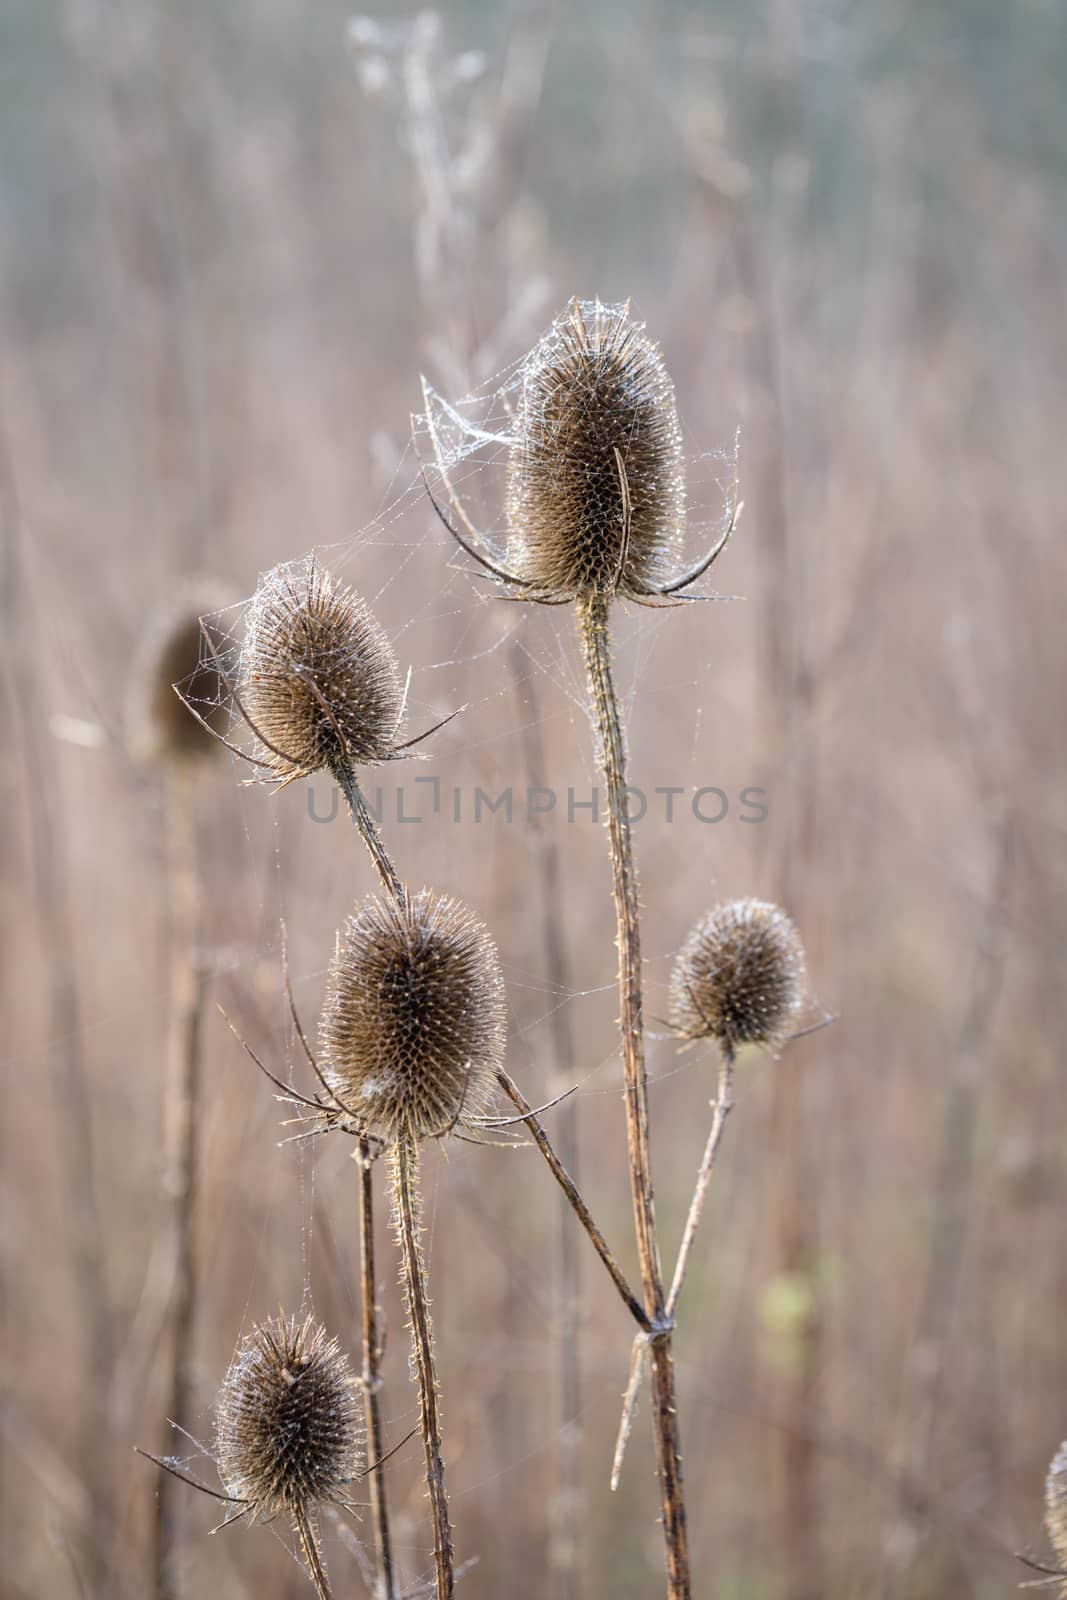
x: 462, y: 446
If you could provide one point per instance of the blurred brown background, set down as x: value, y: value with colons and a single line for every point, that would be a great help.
x: 232, y: 238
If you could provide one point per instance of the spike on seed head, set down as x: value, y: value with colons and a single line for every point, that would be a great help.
x: 1056, y: 1505
x: 175, y: 652
x: 287, y: 1431
x: 318, y: 680
x: 740, y: 976
x: 413, y: 1025
x: 593, y: 385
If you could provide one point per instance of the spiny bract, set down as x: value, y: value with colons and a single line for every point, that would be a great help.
x: 413, y: 1025
x: 175, y: 653
x: 318, y: 681
x: 739, y: 978
x: 1056, y: 1506
x: 594, y: 384
x: 287, y: 1431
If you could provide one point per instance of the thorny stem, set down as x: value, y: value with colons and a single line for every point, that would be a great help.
x: 308, y: 1541
x: 345, y: 778
x: 372, y: 1382
x: 570, y: 1189
x: 181, y: 1141
x: 723, y: 1106
x: 567, y: 1509
x: 404, y: 1161
x: 372, y: 1350
x: 592, y: 614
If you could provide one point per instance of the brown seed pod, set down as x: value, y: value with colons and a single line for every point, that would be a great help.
x: 287, y: 1430
x: 412, y: 1029
x: 594, y: 393
x: 740, y: 977
x: 318, y: 680
x: 175, y: 652
x: 1056, y: 1506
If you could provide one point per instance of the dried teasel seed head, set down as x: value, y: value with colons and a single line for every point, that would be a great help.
x: 595, y: 384
x: 1056, y: 1505
x: 413, y: 1025
x: 318, y: 681
x: 739, y: 978
x: 287, y: 1429
x: 175, y: 651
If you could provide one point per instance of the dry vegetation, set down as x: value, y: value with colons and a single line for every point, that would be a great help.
x: 231, y: 241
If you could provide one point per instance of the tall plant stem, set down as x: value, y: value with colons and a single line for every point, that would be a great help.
x: 371, y: 1340
x: 372, y: 1382
x: 592, y: 614
x: 345, y: 778
x: 181, y: 1141
x: 404, y: 1161
x: 568, y: 1504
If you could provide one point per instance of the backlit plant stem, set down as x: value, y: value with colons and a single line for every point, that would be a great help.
x: 404, y: 1162
x: 592, y: 614
x: 372, y: 1381
x: 345, y: 778
x: 372, y: 1352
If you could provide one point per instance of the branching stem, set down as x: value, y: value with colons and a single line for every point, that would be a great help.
x: 570, y: 1189
x: 724, y: 1102
x: 723, y: 1106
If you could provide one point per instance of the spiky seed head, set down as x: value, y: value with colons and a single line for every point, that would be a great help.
x: 594, y: 384
x: 287, y: 1427
x: 1056, y: 1505
x: 177, y: 652
x: 318, y: 680
x: 413, y: 1025
x: 740, y: 977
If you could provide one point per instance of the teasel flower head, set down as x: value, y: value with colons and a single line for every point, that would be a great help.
x: 288, y: 1434
x: 596, y: 494
x: 176, y: 665
x: 1056, y: 1508
x: 317, y: 679
x: 740, y: 976
x: 412, y: 1030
